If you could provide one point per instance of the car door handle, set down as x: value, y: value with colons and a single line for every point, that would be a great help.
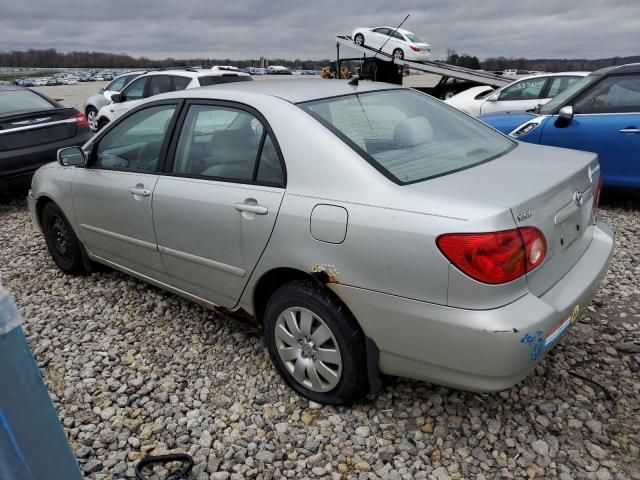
x: 143, y: 192
x: 630, y: 130
x: 247, y: 207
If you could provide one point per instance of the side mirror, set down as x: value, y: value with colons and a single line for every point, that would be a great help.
x: 71, y: 157
x: 494, y: 97
x: 566, y: 113
x: 115, y: 98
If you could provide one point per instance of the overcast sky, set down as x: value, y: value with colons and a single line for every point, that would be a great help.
x: 240, y: 29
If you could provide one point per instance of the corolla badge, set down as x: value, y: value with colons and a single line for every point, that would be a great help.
x: 577, y: 198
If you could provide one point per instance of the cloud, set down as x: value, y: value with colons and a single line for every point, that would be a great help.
x: 293, y: 29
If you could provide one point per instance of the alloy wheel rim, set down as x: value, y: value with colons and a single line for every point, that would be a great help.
x: 92, y: 117
x: 398, y: 54
x: 60, y: 236
x: 308, y: 349
x: 358, y: 40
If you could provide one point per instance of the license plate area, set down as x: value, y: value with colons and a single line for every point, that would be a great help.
x: 571, y: 229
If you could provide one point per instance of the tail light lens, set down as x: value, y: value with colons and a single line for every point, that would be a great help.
x: 81, y: 120
x: 496, y: 257
x: 596, y: 201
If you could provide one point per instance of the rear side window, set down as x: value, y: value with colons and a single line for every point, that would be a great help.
x: 18, y: 101
x: 160, y: 84
x: 180, y: 83
x: 409, y: 136
x: 559, y: 84
x: 226, y: 143
x: 225, y: 78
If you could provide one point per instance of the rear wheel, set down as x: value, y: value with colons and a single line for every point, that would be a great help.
x: 315, y: 344
x: 62, y: 243
x: 359, y: 39
x: 398, y: 54
x: 92, y: 117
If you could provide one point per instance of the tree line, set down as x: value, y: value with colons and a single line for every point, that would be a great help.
x: 51, y: 58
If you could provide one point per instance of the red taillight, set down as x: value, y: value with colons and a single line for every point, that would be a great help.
x: 81, y: 120
x: 415, y: 49
x: 596, y: 201
x: 496, y: 257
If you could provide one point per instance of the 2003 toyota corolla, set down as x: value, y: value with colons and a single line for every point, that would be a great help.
x: 369, y: 228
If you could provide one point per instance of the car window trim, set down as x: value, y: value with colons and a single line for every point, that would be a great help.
x: 178, y: 103
x: 171, y: 151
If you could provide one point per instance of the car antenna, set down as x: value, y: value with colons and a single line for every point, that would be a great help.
x: 394, y: 31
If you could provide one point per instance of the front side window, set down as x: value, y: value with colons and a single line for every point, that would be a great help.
x: 407, y: 135
x: 614, y: 94
x: 119, y: 83
x: 134, y: 91
x: 136, y: 142
x: 524, y: 90
x: 225, y: 143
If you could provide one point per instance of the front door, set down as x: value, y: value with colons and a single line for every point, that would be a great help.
x: 606, y: 121
x: 113, y: 196
x: 215, y: 209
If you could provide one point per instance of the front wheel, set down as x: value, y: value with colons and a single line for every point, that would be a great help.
x: 315, y: 344
x: 62, y: 243
x: 92, y: 117
x: 102, y: 123
x: 359, y: 40
x: 398, y: 54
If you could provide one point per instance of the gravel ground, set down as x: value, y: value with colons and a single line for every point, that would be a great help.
x: 133, y: 370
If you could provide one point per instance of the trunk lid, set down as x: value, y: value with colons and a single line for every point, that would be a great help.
x: 549, y: 188
x: 36, y: 128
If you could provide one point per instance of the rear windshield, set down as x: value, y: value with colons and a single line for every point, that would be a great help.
x: 18, y: 101
x: 409, y: 136
x: 224, y: 78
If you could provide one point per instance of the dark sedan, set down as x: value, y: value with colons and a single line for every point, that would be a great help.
x: 32, y: 129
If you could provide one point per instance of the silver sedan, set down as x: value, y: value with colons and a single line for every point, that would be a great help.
x: 368, y: 228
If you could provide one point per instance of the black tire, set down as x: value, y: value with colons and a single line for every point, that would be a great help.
x: 359, y: 39
x: 398, y: 53
x: 352, y: 383
x: 92, y: 117
x: 102, y: 122
x: 63, y: 245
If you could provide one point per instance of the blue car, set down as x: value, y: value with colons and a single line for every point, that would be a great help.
x: 599, y: 113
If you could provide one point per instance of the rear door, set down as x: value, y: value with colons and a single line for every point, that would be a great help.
x: 216, y: 206
x: 606, y: 121
x: 377, y: 37
x: 113, y: 196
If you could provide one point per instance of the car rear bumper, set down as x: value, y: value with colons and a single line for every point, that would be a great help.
x: 25, y: 161
x: 482, y: 350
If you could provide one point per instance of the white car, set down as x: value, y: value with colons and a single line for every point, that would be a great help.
x: 400, y: 43
x: 162, y: 81
x: 523, y: 94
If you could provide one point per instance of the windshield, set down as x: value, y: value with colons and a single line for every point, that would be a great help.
x: 556, y: 102
x: 407, y: 135
x: 414, y: 38
x: 15, y: 101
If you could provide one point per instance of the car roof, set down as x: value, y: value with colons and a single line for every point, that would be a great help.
x: 628, y: 68
x: 294, y: 91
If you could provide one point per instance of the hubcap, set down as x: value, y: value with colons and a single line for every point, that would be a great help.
x: 359, y: 40
x: 398, y: 55
x: 308, y: 349
x: 60, y: 237
x: 92, y: 117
